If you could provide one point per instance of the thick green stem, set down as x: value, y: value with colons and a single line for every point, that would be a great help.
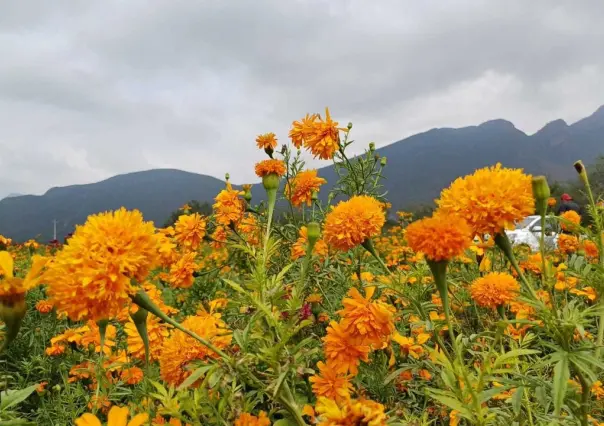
x: 503, y: 242
x: 368, y: 245
x: 439, y: 272
x: 140, y: 321
x: 272, y: 199
x: 287, y: 399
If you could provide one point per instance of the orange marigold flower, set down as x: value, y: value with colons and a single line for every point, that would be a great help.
x: 495, y: 289
x: 181, y: 349
x: 55, y: 350
x: 343, y: 351
x: 439, y: 237
x: 350, y: 412
x: 189, y: 230
x: 246, y: 419
x: 44, y: 306
x: 272, y: 166
x: 490, y: 200
x: 132, y: 375
x: 302, y: 187
x: 181, y: 272
x: 591, y: 249
x: 267, y: 140
x: 570, y: 221
x: 250, y: 230
x: 302, y: 128
x: 158, y: 333
x: 588, y: 292
x: 94, y: 275
x: 352, y: 222
x: 330, y: 383
x: 370, y: 320
x: 229, y: 208
x: 322, y: 138
x: 118, y: 416
x: 551, y: 201
x: 219, y: 237
x: 568, y: 243
x: 299, y: 247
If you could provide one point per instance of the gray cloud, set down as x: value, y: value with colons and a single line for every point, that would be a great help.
x: 92, y: 89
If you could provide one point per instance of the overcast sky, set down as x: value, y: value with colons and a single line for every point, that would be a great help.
x: 90, y: 89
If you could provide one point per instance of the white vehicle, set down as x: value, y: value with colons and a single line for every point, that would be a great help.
x: 528, y: 232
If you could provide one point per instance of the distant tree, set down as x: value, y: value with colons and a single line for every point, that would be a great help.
x: 204, y: 209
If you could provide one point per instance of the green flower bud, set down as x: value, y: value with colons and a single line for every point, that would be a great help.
x: 383, y: 162
x: 270, y: 182
x: 313, y: 230
x: 349, y: 126
x: 580, y: 168
x: 541, y: 193
x: 371, y: 146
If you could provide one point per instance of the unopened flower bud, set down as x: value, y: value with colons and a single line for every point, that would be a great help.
x: 580, y: 168
x: 349, y: 126
x: 541, y: 193
x: 227, y: 176
x: 313, y: 231
x: 269, y: 151
x: 383, y: 162
x: 371, y: 146
x: 270, y: 182
x: 314, y: 196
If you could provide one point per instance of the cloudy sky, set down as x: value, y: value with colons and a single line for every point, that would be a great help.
x: 90, y: 89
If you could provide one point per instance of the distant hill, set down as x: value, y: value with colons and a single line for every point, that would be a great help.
x: 418, y: 168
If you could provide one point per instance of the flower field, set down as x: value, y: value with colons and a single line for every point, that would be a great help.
x: 309, y: 308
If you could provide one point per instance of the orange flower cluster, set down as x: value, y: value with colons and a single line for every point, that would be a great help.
x: 266, y: 141
x: 246, y: 419
x: 320, y: 136
x: 439, y: 237
x: 568, y: 244
x: 350, y: 412
x: 268, y: 167
x: 190, y: 230
x: 495, y: 289
x: 92, y: 277
x: 570, y: 221
x: 44, y: 306
x: 302, y: 187
x: 299, y: 247
x: 352, y: 222
x: 229, y: 208
x: 181, y: 349
x: 590, y: 249
x: 181, y: 272
x: 491, y: 200
x: 250, y: 230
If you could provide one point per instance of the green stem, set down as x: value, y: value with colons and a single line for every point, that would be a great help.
x: 140, y: 321
x: 287, y: 399
x: 585, y: 394
x: 503, y: 242
x: 368, y: 245
x: 272, y: 199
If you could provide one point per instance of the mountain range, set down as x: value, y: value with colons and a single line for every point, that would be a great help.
x: 418, y: 168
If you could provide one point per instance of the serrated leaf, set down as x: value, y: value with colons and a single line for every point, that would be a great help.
x: 560, y: 384
x: 517, y: 400
x: 196, y: 375
x: 13, y: 397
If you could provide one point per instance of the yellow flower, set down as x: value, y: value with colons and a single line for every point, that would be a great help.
x: 302, y: 187
x: 267, y: 140
x: 350, y: 412
x: 352, y: 222
x: 490, y: 200
x: 587, y: 292
x: 268, y: 167
x: 96, y: 272
x: 189, y: 230
x: 118, y: 416
x: 330, y: 383
x: 12, y: 287
x: 495, y: 289
x: 181, y: 272
x: 229, y: 208
x: 439, y: 237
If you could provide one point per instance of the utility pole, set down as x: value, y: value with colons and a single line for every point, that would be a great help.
x: 55, y: 229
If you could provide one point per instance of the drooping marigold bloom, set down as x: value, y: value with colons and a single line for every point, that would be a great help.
x: 490, y: 200
x: 439, y: 237
x: 157, y: 331
x: 181, y: 272
x: 350, y: 412
x: 303, y: 185
x: 246, y: 419
x: 372, y: 321
x: 268, y: 167
x: 320, y: 136
x: 343, y: 351
x: 299, y: 247
x: 189, y: 230
x: 229, y: 208
x: 92, y: 276
x: 44, y: 306
x: 568, y: 244
x: 302, y: 128
x: 495, y: 289
x: 570, y: 221
x: 118, y: 416
x: 181, y: 349
x: 330, y: 383
x: 352, y: 222
x: 267, y: 140
x: 591, y: 249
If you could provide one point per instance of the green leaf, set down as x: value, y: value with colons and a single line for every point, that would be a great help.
x: 196, y: 375
x: 279, y: 383
x: 390, y: 377
x: 11, y: 398
x: 449, y: 399
x: 561, y: 376
x: 510, y: 357
x: 517, y: 400
x: 285, y: 422
x: 16, y: 422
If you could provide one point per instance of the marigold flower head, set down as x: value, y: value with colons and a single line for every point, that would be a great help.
x: 439, y: 237
x: 219, y: 237
x: 350, y: 412
x: 372, y: 321
x: 591, y: 249
x: 118, y: 416
x: 181, y: 272
x: 570, y: 221
x: 250, y: 229
x: 181, y: 349
x: 132, y: 375
x: 343, y: 351
x: 330, y: 383
x: 44, y: 306
x: 229, y: 208
x: 568, y: 244
x: 320, y: 136
x: 267, y: 140
x: 246, y: 419
x: 490, y: 200
x: 302, y: 128
x: 495, y: 289
x: 268, y: 167
x: 92, y: 276
x: 352, y: 222
x: 189, y: 230
x: 299, y: 247
x: 302, y: 187
x: 11, y: 286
